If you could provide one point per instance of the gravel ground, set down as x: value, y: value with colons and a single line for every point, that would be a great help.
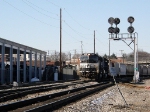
x: 136, y: 99
x: 29, y: 96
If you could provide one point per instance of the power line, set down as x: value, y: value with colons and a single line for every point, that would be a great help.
x: 70, y: 35
x: 71, y: 43
x: 29, y: 15
x: 104, y: 43
x: 53, y: 4
x: 76, y: 21
x: 41, y: 8
x: 72, y: 19
x: 80, y: 34
x: 74, y: 30
x: 39, y: 11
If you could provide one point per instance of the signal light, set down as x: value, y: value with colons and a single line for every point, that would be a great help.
x: 111, y: 29
x: 131, y: 19
x: 116, y: 21
x: 130, y: 29
x: 116, y: 30
x: 111, y: 20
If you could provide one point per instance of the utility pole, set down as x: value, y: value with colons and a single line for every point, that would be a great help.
x: 94, y: 41
x: 122, y: 55
x: 81, y: 48
x: 55, y: 55
x: 74, y: 55
x: 70, y: 58
x: 48, y: 53
x: 60, y: 45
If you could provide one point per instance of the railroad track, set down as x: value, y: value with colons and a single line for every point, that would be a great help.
x: 11, y: 94
x: 51, y: 101
x: 9, y: 86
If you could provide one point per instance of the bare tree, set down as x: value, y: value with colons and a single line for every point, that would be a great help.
x: 142, y: 56
x: 76, y: 56
x: 56, y: 56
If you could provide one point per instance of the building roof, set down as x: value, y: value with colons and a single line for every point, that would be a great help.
x: 22, y: 47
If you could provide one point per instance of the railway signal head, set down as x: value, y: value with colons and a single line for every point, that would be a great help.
x: 116, y: 21
x: 116, y: 30
x: 131, y: 19
x: 111, y: 29
x: 130, y: 29
x: 111, y: 20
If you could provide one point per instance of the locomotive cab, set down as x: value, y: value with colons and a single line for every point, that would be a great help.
x: 93, y: 66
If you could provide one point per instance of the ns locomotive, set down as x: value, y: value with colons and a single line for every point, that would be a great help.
x: 93, y: 66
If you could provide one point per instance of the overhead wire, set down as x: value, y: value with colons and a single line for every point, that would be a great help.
x: 107, y: 42
x: 38, y: 19
x: 70, y: 35
x: 72, y: 19
x: 41, y: 8
x: 53, y: 3
x: 78, y: 33
x: 104, y: 43
x: 76, y: 21
x: 29, y: 15
x: 39, y: 11
x: 50, y: 17
x: 71, y: 43
x: 74, y: 29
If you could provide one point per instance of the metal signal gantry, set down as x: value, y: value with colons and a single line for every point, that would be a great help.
x: 114, y: 35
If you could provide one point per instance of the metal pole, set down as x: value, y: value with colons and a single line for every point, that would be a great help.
x: 135, y: 51
x: 70, y: 57
x: 81, y: 48
x: 109, y: 54
x: 60, y: 44
x: 55, y: 55
x: 109, y: 49
x: 74, y: 55
x: 122, y: 55
x: 94, y: 41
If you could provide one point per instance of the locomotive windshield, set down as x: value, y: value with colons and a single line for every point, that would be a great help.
x: 84, y: 59
x: 89, y: 59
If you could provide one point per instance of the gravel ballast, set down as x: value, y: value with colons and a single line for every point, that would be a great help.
x: 137, y: 97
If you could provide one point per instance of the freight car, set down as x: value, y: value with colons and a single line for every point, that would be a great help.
x: 120, y: 69
x: 143, y: 69
x: 93, y: 66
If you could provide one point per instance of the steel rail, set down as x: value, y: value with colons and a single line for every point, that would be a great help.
x: 19, y: 104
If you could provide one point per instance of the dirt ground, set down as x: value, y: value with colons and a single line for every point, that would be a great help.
x: 128, y: 98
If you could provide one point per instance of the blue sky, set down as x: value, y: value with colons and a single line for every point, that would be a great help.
x: 36, y: 23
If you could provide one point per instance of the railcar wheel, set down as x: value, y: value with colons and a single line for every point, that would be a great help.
x: 105, y: 75
x: 100, y: 77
